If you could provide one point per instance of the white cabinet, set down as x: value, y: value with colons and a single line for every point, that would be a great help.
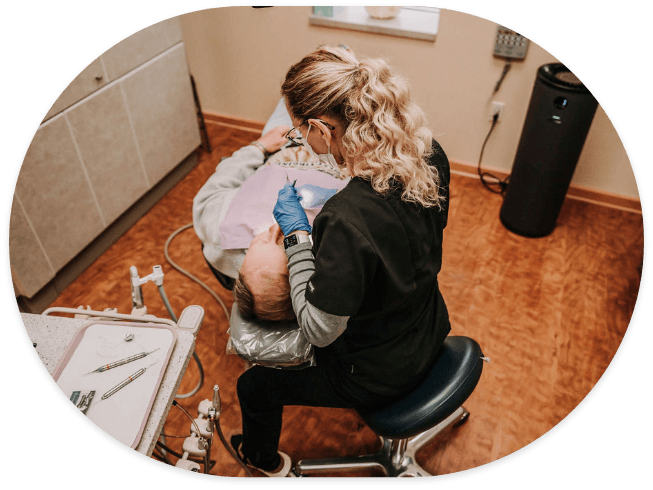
x: 116, y: 132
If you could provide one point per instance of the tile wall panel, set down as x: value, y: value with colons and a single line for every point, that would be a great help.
x: 108, y: 149
x: 141, y: 46
x: 28, y: 261
x: 88, y: 81
x: 160, y: 100
x: 55, y: 194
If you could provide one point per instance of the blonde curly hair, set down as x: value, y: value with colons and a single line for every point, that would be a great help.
x: 386, y: 140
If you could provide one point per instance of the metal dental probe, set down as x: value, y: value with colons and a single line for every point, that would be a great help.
x: 129, y: 379
x: 126, y: 360
x: 288, y: 180
x: 120, y: 386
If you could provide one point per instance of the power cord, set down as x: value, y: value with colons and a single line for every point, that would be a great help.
x: 499, y: 186
x: 506, y: 68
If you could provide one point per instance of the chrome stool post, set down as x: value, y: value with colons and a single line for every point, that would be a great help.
x: 396, y: 457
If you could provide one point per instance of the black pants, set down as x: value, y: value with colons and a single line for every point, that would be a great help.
x: 263, y: 392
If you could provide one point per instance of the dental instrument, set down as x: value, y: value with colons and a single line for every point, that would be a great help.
x: 288, y: 180
x: 126, y: 360
x: 124, y: 383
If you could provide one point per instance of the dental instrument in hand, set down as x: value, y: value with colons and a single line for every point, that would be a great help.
x: 288, y: 180
x: 126, y: 360
x: 121, y: 385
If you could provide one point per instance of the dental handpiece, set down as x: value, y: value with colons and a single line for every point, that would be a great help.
x: 126, y: 360
x: 120, y: 386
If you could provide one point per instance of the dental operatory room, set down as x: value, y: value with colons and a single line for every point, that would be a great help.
x: 180, y: 206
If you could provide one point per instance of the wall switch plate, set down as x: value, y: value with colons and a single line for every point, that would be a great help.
x: 509, y: 44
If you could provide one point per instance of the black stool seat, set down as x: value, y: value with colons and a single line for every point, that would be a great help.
x: 407, y: 425
x: 453, y: 377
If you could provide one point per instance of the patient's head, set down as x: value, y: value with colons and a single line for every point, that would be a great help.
x: 262, y: 289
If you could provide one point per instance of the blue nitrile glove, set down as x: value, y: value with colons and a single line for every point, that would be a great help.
x: 289, y: 213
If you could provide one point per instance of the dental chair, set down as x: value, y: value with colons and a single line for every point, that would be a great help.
x: 224, y: 280
x: 408, y: 424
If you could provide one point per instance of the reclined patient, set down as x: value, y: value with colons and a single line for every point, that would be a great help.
x: 232, y: 216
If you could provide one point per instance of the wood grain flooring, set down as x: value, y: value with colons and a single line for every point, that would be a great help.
x: 549, y: 312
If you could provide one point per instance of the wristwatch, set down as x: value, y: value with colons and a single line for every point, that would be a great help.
x: 292, y: 240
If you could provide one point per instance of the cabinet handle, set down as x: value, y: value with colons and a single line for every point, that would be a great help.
x: 98, y: 77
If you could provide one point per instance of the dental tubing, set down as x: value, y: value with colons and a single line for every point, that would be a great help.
x: 199, y: 443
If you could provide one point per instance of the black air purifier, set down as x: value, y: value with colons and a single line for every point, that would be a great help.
x: 557, y: 122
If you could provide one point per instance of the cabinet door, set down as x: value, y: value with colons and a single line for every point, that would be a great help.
x: 108, y: 150
x: 160, y: 100
x: 55, y: 194
x: 141, y: 47
x: 29, y: 265
x: 84, y: 84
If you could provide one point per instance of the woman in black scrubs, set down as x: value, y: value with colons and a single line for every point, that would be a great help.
x: 364, y: 285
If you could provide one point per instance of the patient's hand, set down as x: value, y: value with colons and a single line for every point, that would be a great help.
x: 274, y: 139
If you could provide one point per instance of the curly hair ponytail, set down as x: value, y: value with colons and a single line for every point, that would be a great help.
x: 386, y: 139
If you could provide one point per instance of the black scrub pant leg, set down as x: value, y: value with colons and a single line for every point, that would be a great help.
x: 264, y: 391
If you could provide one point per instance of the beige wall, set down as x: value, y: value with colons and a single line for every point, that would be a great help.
x: 239, y: 56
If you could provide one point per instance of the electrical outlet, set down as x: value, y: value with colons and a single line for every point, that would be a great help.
x: 496, y: 108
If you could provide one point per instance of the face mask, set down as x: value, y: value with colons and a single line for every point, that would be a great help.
x: 326, y: 158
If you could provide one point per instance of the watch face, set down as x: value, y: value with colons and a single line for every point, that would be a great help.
x: 289, y: 241
x: 292, y: 240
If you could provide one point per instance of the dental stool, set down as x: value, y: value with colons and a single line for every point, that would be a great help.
x: 408, y: 424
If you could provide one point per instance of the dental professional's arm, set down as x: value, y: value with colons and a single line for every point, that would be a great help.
x: 319, y: 327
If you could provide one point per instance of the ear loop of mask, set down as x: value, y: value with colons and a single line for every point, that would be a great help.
x: 327, y: 158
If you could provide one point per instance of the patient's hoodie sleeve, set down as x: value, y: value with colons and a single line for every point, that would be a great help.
x: 211, y: 203
x: 319, y: 328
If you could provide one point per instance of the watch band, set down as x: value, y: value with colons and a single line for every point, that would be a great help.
x: 292, y: 240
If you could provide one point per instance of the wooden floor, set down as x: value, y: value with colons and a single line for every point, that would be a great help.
x: 549, y: 312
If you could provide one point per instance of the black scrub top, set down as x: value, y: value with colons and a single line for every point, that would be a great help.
x: 376, y: 260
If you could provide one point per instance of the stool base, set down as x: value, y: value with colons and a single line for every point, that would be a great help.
x: 396, y: 456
